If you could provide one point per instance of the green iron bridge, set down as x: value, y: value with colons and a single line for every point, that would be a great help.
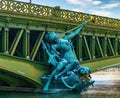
x: 23, y: 26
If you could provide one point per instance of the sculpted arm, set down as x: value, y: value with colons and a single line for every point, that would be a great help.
x: 75, y: 31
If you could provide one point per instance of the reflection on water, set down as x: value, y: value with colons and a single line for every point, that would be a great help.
x: 31, y: 95
x: 107, y: 85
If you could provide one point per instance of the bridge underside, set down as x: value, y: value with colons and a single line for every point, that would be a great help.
x: 22, y: 59
x: 18, y: 72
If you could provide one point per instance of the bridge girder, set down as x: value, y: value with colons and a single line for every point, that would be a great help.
x: 21, y: 33
x: 20, y: 72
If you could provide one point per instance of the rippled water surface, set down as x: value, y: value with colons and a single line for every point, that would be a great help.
x: 107, y: 85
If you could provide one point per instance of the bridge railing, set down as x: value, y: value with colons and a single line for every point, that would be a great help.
x: 23, y: 8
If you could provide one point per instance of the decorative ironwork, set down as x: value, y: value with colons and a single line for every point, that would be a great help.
x: 18, y: 7
x: 45, y: 11
x: 40, y: 10
x: 3, y: 5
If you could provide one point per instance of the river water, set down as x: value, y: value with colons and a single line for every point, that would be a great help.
x: 107, y: 85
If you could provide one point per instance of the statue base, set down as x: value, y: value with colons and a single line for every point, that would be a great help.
x: 70, y: 83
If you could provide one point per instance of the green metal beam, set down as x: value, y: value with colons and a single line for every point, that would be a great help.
x: 92, y: 46
x: 115, y: 46
x: 99, y: 46
x: 17, y: 24
x: 0, y: 28
x: 5, y: 40
x: 104, y: 46
x: 0, y: 40
x: 32, y: 71
x: 16, y: 41
x: 26, y: 44
x: 79, y: 47
x: 102, y: 63
x: 87, y: 50
x: 118, y: 46
x: 111, y: 47
x: 36, y: 46
x: 11, y: 80
x: 23, y: 69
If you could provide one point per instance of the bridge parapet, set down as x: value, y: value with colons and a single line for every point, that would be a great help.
x: 27, y: 9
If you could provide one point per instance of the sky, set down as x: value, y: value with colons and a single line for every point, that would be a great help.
x: 107, y: 8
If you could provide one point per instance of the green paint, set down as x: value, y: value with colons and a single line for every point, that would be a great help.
x: 110, y: 46
x: 26, y: 44
x: 87, y: 48
x: 36, y: 46
x: 104, y: 46
x: 15, y: 42
x: 92, y: 46
x: 26, y: 70
x: 5, y: 38
x: 99, y: 47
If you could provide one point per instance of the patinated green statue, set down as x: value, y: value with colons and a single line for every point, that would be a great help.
x: 67, y: 69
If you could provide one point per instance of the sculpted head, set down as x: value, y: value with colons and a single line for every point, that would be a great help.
x: 51, y: 37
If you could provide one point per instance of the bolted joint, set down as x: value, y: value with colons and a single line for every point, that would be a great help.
x: 93, y: 37
x: 27, y: 30
x: 27, y: 57
x: 6, y: 29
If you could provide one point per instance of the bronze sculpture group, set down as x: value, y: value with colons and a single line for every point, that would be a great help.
x: 67, y: 72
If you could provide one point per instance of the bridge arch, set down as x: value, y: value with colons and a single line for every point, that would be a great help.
x: 20, y: 73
